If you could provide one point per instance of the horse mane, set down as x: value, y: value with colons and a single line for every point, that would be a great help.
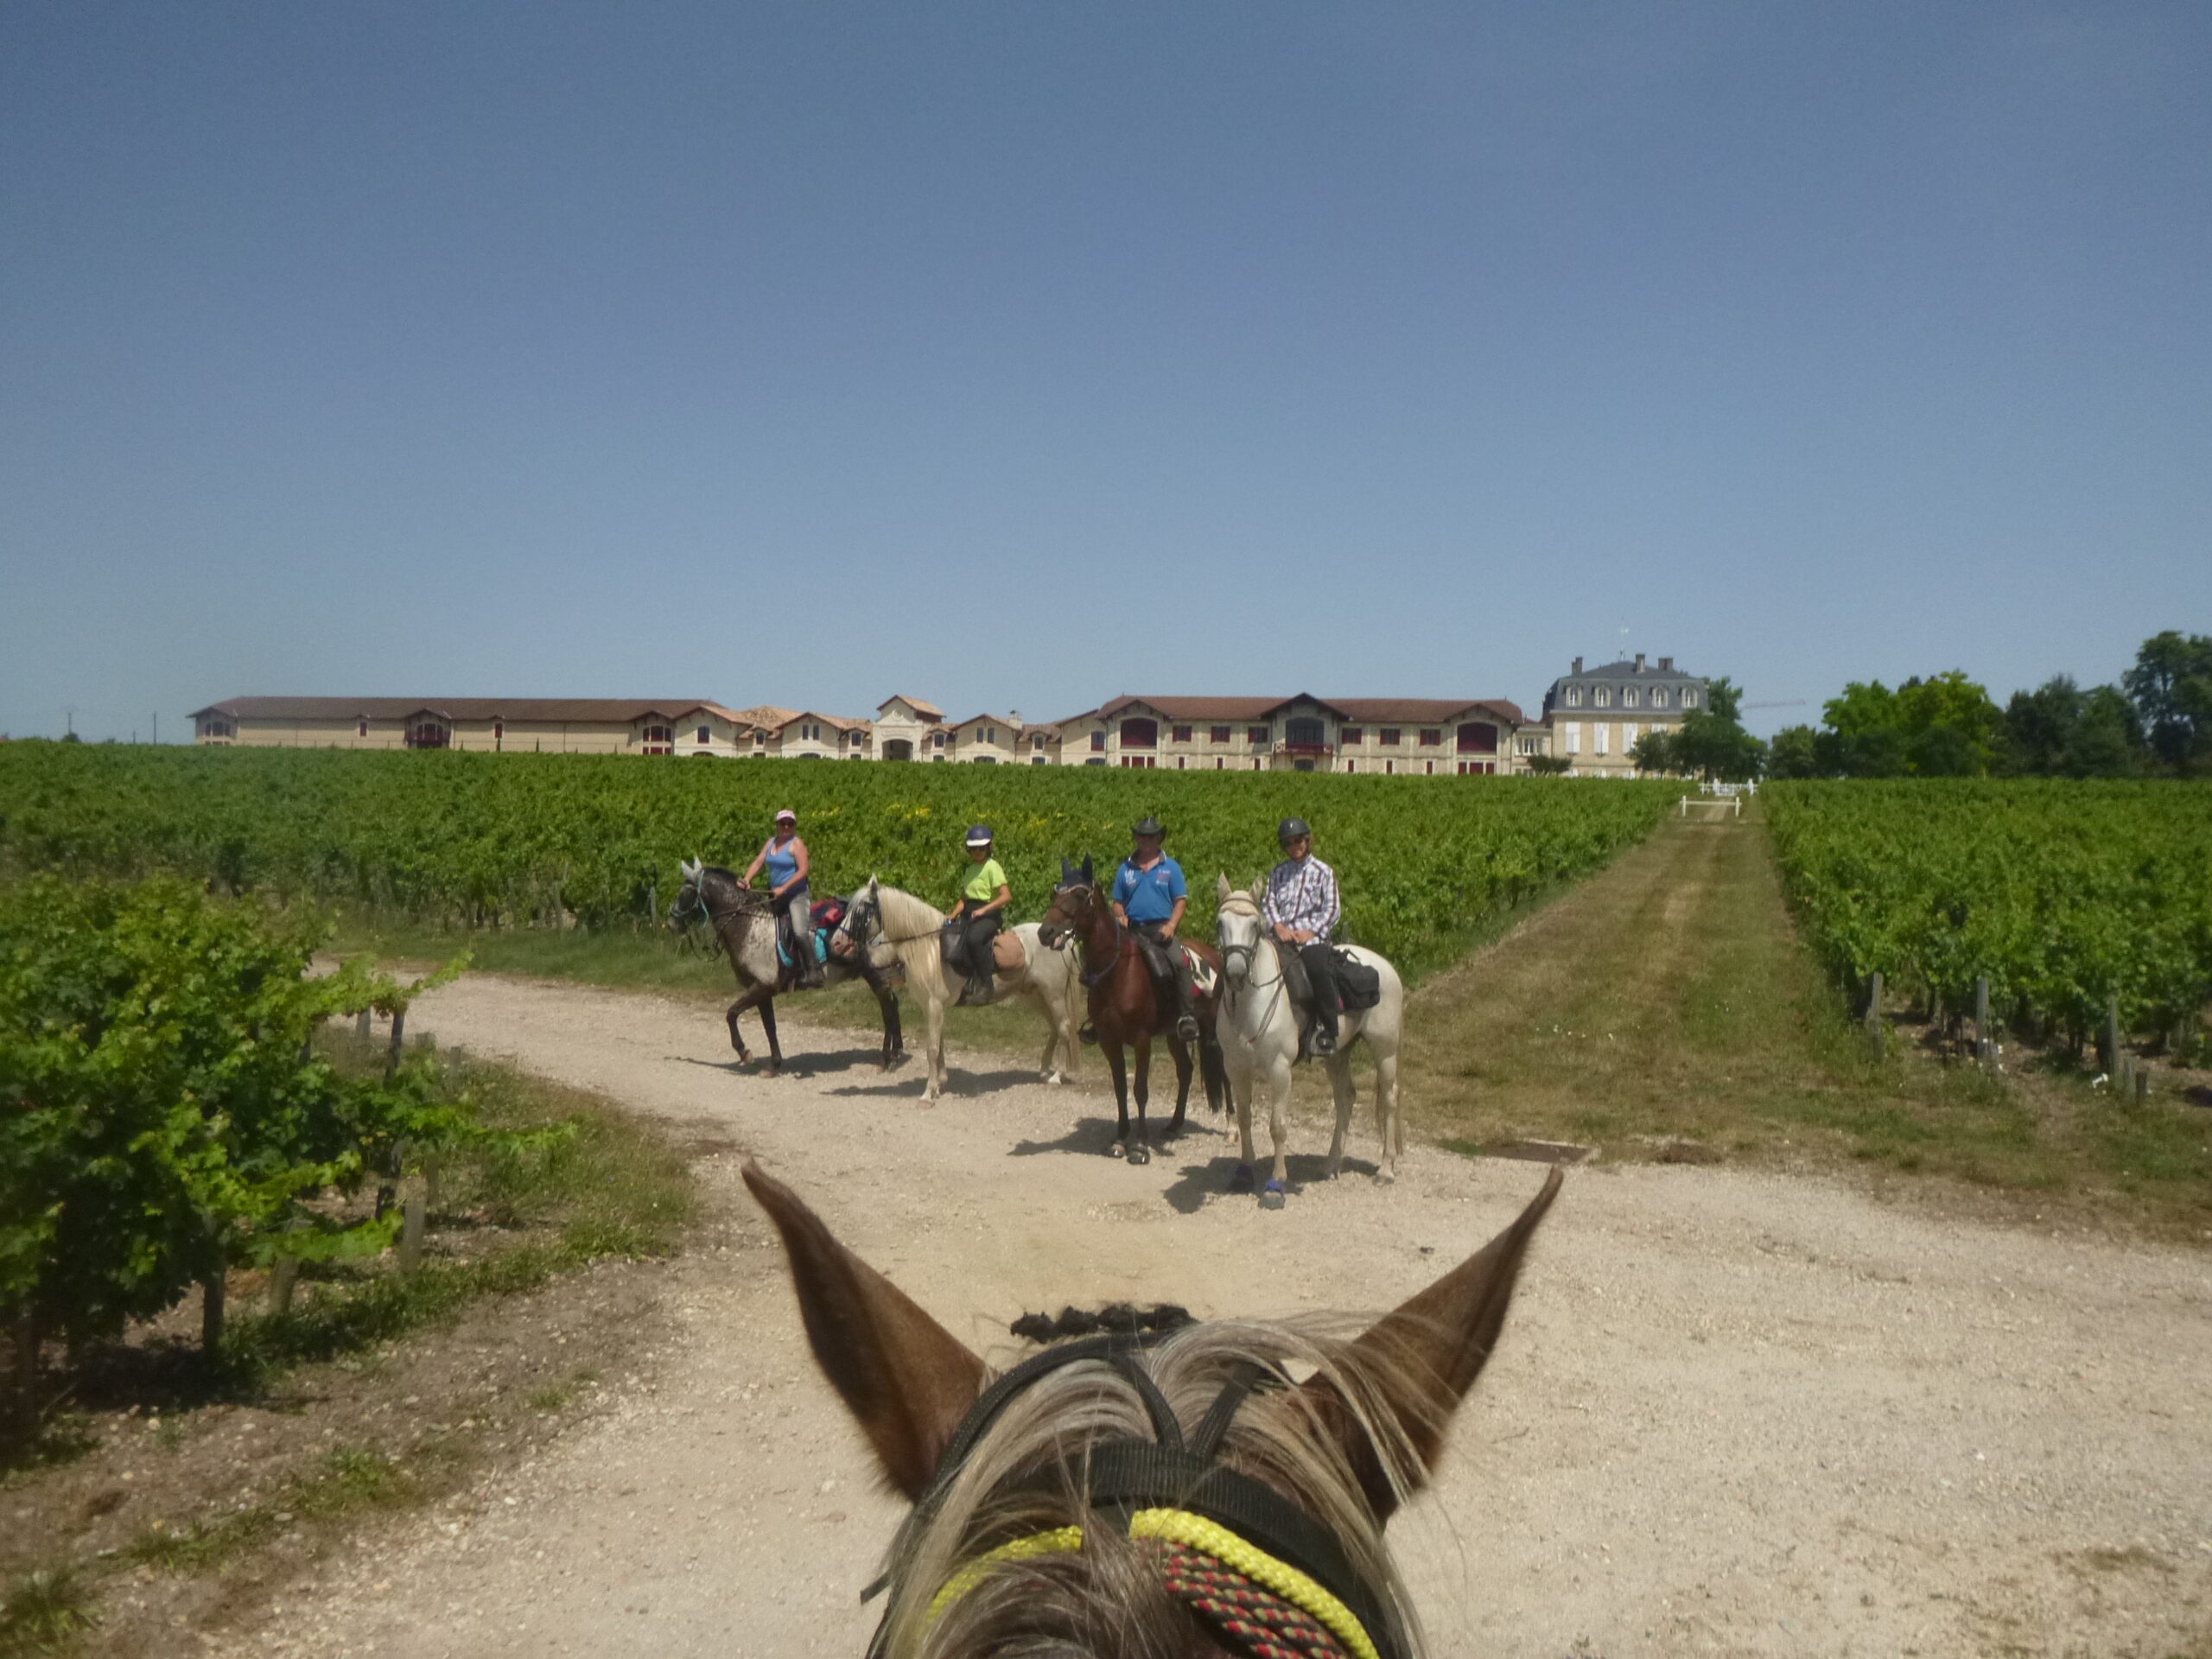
x: 1241, y: 901
x: 912, y: 927
x: 1109, y: 1599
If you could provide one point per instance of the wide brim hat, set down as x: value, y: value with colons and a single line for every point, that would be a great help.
x: 787, y: 813
x: 1148, y: 825
x: 979, y: 835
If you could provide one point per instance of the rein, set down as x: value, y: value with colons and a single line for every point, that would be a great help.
x: 1247, y: 1560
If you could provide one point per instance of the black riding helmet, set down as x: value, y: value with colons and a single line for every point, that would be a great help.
x: 1290, y: 830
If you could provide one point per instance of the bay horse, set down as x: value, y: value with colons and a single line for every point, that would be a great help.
x: 1125, y: 1012
x: 1147, y: 1496
x: 1260, y: 1039
x: 888, y: 929
x: 747, y: 928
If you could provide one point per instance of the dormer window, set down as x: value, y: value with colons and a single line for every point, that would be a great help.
x: 1604, y: 696
x: 1628, y: 698
x: 1574, y: 696
x: 1690, y: 697
x: 1658, y: 697
x: 1037, y: 742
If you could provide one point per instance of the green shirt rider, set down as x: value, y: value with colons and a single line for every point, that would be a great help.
x: 971, y: 925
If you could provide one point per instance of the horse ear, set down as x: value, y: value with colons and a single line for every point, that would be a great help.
x: 1260, y: 892
x: 1422, y: 1359
x: 1067, y: 871
x: 906, y: 1380
x: 1222, y: 889
x: 1087, y: 877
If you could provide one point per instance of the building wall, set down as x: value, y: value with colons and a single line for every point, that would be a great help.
x: 510, y: 737
x: 1263, y: 744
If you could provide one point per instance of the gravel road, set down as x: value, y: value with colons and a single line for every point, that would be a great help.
x: 1733, y: 1414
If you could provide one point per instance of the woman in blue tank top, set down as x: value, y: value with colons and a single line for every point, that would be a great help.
x: 783, y: 856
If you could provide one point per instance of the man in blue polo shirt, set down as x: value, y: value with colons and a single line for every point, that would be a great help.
x: 1149, y: 897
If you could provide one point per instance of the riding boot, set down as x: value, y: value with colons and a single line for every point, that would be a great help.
x: 1186, y: 1012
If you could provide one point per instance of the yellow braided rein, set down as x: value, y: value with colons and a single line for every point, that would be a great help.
x: 1210, y: 1538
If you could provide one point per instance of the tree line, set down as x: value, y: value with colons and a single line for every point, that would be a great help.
x: 2156, y: 721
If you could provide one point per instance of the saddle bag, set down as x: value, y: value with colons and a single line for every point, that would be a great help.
x: 1359, y: 986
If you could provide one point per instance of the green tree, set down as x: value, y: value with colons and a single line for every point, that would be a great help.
x: 1717, y: 749
x: 1654, y: 752
x: 2058, y: 730
x: 162, y: 1111
x: 2170, y: 686
x: 1942, y: 727
x: 1793, y: 754
x: 1724, y: 698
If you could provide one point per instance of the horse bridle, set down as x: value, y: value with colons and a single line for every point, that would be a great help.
x: 1250, y: 953
x: 1175, y: 1492
x: 1121, y: 934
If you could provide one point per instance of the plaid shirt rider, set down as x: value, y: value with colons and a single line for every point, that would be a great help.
x: 1302, y: 894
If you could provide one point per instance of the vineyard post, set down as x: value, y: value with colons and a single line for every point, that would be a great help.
x: 2109, y: 1038
x: 283, y: 1275
x: 1875, y: 1011
x: 361, y: 1022
x: 412, y: 1219
x: 2142, y: 1088
x: 391, y: 1057
x: 1985, y: 1046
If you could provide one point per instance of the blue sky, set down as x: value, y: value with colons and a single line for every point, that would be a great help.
x: 1025, y: 354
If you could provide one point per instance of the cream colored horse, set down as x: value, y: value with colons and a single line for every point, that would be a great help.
x: 897, y: 927
x: 1259, y: 1032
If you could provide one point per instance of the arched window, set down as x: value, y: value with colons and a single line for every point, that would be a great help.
x: 1574, y: 696
x: 1628, y: 698
x: 1690, y: 697
x: 1658, y: 697
x: 1603, y: 697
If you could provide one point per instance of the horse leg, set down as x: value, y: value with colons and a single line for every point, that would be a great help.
x: 887, y: 1006
x: 1388, y: 1119
x: 1139, y: 1150
x: 933, y: 1051
x: 1052, y: 1047
x: 1237, y: 1080
x: 1116, y: 1064
x: 1346, y: 1096
x: 1181, y: 1052
x: 1278, y: 1187
x: 737, y: 1038
x: 768, y: 1025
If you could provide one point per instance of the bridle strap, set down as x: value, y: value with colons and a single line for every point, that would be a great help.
x: 1121, y: 1478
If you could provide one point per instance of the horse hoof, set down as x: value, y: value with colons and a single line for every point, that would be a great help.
x: 1117, y: 1150
x: 1240, y: 1178
x: 1386, y: 1177
x: 1140, y: 1154
x: 1274, y: 1196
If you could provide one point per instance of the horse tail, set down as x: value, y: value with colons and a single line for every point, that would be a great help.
x: 1213, y: 1071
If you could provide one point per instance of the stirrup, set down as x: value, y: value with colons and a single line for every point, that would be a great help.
x: 1186, y: 1027
x: 1323, y: 1043
x: 1088, y: 1034
x: 978, y: 994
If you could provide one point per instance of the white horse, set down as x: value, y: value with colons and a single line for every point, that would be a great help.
x: 1260, y: 1037
x: 896, y: 927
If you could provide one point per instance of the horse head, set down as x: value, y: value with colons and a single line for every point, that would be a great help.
x: 1069, y: 1504
x: 863, y: 918
x: 1070, y: 905
x: 1238, y: 928
x: 689, y: 903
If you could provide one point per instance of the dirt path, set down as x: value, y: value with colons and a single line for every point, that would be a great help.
x: 1734, y: 1414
